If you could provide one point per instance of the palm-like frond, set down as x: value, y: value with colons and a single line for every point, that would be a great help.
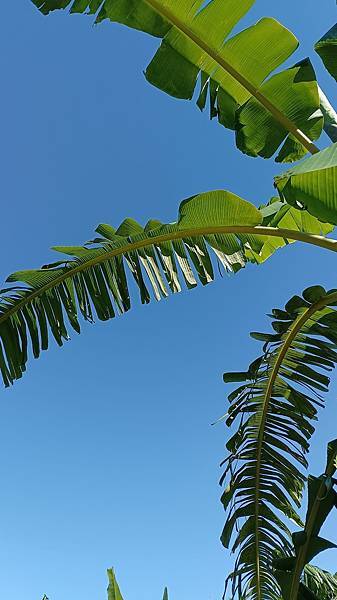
x: 93, y: 279
x: 234, y: 73
x: 274, y: 408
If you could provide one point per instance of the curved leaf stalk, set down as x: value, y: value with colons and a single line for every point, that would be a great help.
x: 281, y: 354
x: 277, y: 114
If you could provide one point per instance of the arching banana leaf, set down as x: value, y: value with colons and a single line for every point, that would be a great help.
x: 274, y: 408
x: 93, y: 280
x: 235, y: 74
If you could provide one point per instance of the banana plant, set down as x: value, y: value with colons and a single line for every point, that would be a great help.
x: 282, y: 391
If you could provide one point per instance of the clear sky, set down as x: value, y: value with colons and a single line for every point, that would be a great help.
x: 107, y: 452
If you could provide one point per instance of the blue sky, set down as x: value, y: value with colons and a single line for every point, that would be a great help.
x: 107, y: 452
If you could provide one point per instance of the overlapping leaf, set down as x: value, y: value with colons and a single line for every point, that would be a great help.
x: 235, y: 74
x: 274, y: 408
x: 312, y: 185
x: 283, y: 216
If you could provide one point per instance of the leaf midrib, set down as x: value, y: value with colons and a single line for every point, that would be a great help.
x: 289, y: 125
x: 313, y: 239
x: 289, y: 338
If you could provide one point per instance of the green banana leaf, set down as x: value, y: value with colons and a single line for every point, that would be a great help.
x: 326, y: 47
x: 312, y: 185
x: 93, y: 280
x: 235, y: 73
x: 283, y: 216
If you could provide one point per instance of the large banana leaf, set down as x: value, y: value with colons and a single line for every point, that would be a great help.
x: 92, y: 280
x: 274, y: 407
x: 312, y: 185
x: 234, y: 73
x: 326, y: 47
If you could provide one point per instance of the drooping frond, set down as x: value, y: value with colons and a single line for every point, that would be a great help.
x: 93, y: 280
x: 265, y: 110
x: 274, y: 408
